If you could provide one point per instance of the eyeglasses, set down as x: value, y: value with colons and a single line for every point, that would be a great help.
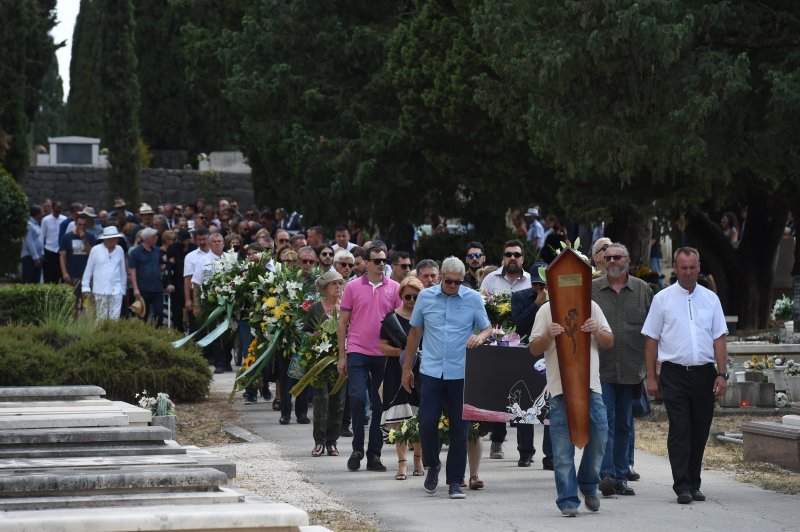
x: 603, y: 249
x: 326, y: 254
x: 308, y: 261
x: 402, y: 266
x: 283, y: 241
x: 378, y: 262
x: 615, y: 258
x: 471, y: 256
x: 510, y: 255
x: 345, y: 264
x: 409, y: 297
x: 453, y: 281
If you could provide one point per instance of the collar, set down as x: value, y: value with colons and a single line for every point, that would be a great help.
x: 603, y: 282
x: 437, y: 290
x: 502, y: 273
x: 365, y: 280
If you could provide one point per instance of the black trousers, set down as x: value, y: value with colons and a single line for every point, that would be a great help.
x: 301, y: 401
x: 52, y: 267
x: 689, y: 399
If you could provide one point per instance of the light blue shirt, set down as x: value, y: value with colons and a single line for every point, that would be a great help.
x: 33, y: 243
x: 447, y: 321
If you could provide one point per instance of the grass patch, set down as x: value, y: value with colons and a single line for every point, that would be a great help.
x: 651, y: 436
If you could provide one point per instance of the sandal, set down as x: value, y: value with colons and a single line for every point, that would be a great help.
x: 399, y: 475
x: 276, y: 404
x: 475, y: 483
x: 319, y: 450
x: 332, y: 450
x: 418, y: 472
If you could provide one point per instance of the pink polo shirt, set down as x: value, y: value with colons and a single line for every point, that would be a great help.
x: 368, y: 305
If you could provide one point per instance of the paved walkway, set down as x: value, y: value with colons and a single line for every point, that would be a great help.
x: 522, y: 499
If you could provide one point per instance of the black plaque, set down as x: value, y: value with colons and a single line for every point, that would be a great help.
x: 796, y: 301
x: 504, y: 384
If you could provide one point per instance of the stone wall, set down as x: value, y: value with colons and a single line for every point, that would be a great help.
x: 90, y: 186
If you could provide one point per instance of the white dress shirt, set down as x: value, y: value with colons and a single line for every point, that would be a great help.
x: 105, y: 271
x: 685, y: 324
x: 191, y: 260
x: 50, y: 226
x: 204, y: 267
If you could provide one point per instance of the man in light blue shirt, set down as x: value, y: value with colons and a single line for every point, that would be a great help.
x: 448, y: 314
x: 32, y: 253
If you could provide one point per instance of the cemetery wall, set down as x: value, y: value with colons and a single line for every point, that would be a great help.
x: 158, y: 186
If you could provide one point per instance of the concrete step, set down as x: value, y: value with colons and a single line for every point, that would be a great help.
x: 243, y: 516
x: 63, y: 450
x: 135, y: 413
x: 66, y: 481
x: 108, y: 462
x: 222, y: 496
x: 63, y: 421
x: 55, y: 402
x: 41, y: 393
x: 83, y: 435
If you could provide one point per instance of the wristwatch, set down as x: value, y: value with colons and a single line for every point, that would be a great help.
x: 723, y: 375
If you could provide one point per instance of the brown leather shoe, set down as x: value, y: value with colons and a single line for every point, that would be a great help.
x: 475, y: 483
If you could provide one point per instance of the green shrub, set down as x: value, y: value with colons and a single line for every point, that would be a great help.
x: 13, y: 220
x: 440, y: 246
x: 35, y: 303
x: 53, y: 336
x: 27, y: 362
x: 128, y: 356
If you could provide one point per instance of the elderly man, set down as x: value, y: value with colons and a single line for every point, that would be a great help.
x: 625, y: 301
x: 511, y: 276
x: 447, y: 314
x: 344, y: 263
x: 476, y: 258
x: 427, y: 272
x: 686, y: 331
x: 365, y: 303
x: 144, y: 269
x: 598, y: 250
x: 568, y: 483
x: 104, y: 275
x: 190, y: 263
x: 204, y: 268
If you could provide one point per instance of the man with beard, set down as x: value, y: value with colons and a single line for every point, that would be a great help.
x: 625, y: 301
x: 476, y: 258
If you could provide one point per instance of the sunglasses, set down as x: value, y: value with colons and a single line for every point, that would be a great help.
x: 409, y: 297
x: 602, y: 249
x: 378, y: 262
x: 402, y: 266
x: 283, y: 241
x: 512, y: 255
x: 453, y: 281
x: 308, y: 261
x: 471, y: 256
x: 615, y: 258
x: 345, y: 264
x: 326, y: 254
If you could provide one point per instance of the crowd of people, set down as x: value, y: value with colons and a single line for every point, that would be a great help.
x: 640, y: 343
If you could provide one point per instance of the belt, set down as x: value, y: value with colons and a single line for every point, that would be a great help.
x: 687, y: 368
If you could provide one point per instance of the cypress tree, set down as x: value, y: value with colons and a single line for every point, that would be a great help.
x: 84, y: 106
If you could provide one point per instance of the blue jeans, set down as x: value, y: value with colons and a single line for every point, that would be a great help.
x: 632, y: 445
x: 567, y: 483
x: 439, y: 392
x: 616, y: 461
x: 655, y: 265
x: 363, y: 371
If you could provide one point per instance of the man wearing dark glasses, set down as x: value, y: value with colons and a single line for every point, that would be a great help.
x: 511, y: 277
x: 476, y: 258
x: 401, y: 265
x: 448, y: 314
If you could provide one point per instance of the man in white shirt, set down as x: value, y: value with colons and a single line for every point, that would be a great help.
x: 105, y: 273
x: 50, y: 229
x: 686, y: 331
x: 567, y: 482
x: 190, y: 262
x: 204, y: 268
x: 511, y: 277
x: 342, y: 237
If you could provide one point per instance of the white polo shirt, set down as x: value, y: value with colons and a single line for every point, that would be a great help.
x: 685, y: 324
x: 191, y: 260
x: 496, y: 282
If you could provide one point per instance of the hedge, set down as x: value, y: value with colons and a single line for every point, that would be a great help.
x: 123, y: 357
x: 29, y: 303
x: 13, y: 220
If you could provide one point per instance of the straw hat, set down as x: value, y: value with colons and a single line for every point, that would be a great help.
x: 111, y: 232
x: 138, y: 307
x: 146, y: 209
x: 119, y: 203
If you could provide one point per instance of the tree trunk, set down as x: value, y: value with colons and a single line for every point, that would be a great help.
x: 633, y: 230
x: 745, y: 275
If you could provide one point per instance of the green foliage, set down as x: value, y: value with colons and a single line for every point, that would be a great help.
x: 439, y: 246
x: 50, y: 114
x: 53, y: 336
x: 27, y: 50
x: 128, y: 356
x: 13, y: 220
x: 26, y: 361
x: 85, y: 104
x: 34, y: 303
x: 209, y: 184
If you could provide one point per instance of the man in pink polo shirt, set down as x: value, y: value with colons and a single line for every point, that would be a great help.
x: 367, y: 299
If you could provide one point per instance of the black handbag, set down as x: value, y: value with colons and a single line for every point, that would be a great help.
x: 641, y: 404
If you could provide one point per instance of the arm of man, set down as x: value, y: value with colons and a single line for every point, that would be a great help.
x: 650, y: 358
x: 132, y: 277
x: 388, y: 350
x: 87, y: 274
x: 412, y: 344
x: 187, y: 292
x: 344, y: 323
x: 721, y: 355
x: 476, y: 340
x: 62, y: 262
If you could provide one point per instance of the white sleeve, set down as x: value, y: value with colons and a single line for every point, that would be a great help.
x: 654, y: 322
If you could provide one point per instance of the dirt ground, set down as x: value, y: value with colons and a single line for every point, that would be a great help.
x: 201, y: 423
x: 651, y: 436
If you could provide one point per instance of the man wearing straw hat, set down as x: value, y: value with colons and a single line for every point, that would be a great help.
x: 105, y: 274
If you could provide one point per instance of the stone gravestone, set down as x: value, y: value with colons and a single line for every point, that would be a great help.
x: 796, y: 300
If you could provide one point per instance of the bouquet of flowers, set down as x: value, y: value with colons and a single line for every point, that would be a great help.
x: 319, y: 354
x: 502, y: 338
x: 792, y: 369
x: 781, y: 399
x: 248, y: 361
x: 407, y: 432
x: 757, y: 363
x: 160, y: 405
x: 229, y: 285
x: 498, y: 308
x: 783, y: 309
